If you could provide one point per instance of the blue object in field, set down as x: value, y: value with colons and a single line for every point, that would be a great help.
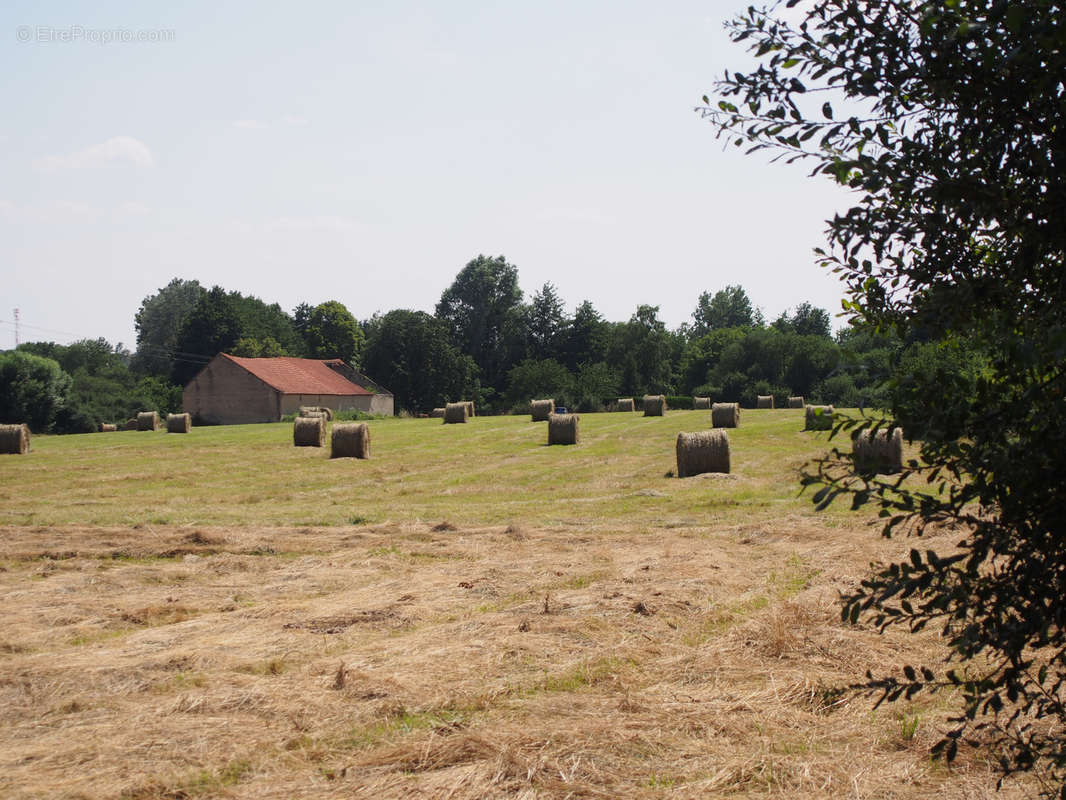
x: 560, y: 409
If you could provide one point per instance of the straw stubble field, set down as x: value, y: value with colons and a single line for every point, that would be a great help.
x: 470, y: 613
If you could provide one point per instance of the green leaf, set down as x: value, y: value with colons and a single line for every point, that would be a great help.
x: 827, y: 110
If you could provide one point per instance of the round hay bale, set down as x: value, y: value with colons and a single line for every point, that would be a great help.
x: 147, y: 421
x: 654, y: 405
x: 470, y: 408
x: 796, y: 402
x: 878, y: 453
x: 437, y: 413
x: 562, y: 428
x: 542, y: 409
x: 764, y: 401
x: 131, y: 424
x: 626, y: 404
x: 309, y: 431
x: 350, y: 440
x: 15, y: 439
x: 705, y: 451
x: 818, y: 418
x: 179, y: 423
x: 725, y: 415
x: 107, y: 427
x: 311, y: 411
x: 701, y: 403
x: 456, y: 412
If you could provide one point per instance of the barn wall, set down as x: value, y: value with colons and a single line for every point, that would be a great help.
x: 370, y: 403
x: 223, y: 393
x: 381, y: 404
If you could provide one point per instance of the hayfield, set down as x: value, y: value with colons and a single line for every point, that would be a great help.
x: 469, y: 613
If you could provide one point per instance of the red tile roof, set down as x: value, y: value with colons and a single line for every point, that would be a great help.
x: 298, y: 375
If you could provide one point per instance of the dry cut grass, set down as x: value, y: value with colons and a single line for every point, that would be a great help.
x: 447, y: 661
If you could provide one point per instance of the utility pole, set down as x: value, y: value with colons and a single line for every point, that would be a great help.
x: 16, y: 328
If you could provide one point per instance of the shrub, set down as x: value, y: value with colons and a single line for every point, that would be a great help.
x: 32, y: 389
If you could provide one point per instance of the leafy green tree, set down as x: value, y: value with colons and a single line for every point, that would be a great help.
x: 953, y: 140
x: 32, y: 389
x: 726, y: 308
x: 247, y: 347
x: 300, y: 315
x: 702, y: 354
x: 483, y: 311
x: 806, y: 321
x: 332, y: 332
x: 211, y: 328
x: 809, y: 359
x: 594, y: 385
x: 859, y: 378
x: 411, y: 354
x: 546, y: 324
x: 158, y: 322
x: 225, y: 321
x: 92, y: 355
x: 586, y: 338
x: 645, y: 353
x: 535, y: 379
x: 761, y: 356
x: 269, y: 325
x: 108, y: 395
x: 952, y: 364
x: 153, y: 392
x: 102, y: 386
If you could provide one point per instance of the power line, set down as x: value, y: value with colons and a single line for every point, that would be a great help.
x: 19, y: 324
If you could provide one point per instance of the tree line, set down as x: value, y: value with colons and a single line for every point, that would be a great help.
x: 483, y: 341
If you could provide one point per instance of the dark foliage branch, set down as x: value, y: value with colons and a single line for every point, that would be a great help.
x: 946, y: 120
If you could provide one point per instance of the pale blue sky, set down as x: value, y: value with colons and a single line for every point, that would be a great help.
x: 366, y: 152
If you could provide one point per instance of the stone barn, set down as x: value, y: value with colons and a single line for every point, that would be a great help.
x: 233, y: 391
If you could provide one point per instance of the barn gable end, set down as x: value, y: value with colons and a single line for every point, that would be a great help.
x: 224, y: 393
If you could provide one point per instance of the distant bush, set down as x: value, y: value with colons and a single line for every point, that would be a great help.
x: 679, y: 401
x: 75, y: 419
x: 354, y: 415
x: 32, y: 389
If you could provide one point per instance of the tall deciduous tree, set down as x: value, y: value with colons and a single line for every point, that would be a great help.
x: 954, y: 141
x: 806, y: 320
x: 587, y: 337
x: 267, y: 324
x: 213, y: 327
x: 482, y: 309
x: 535, y: 379
x: 159, y: 321
x: 411, y: 354
x: 726, y: 308
x: 331, y: 331
x: 645, y: 353
x: 546, y: 324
